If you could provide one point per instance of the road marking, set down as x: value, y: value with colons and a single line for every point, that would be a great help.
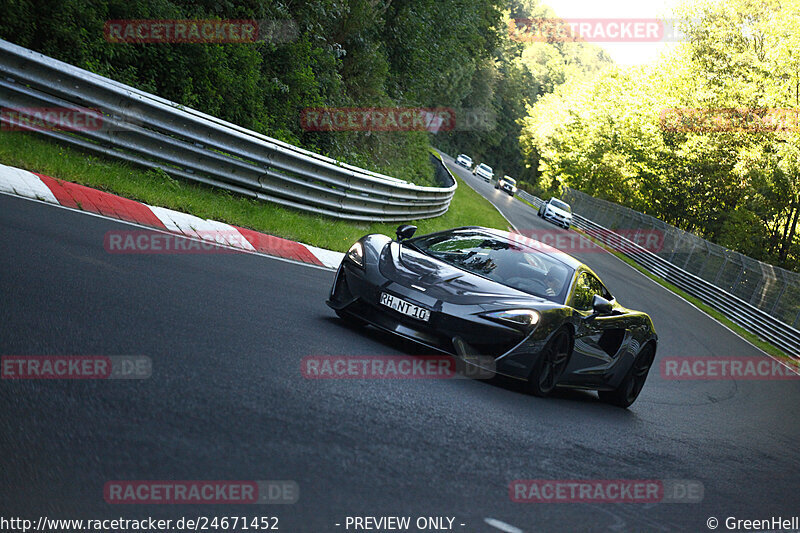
x: 187, y: 237
x: 502, y: 526
x: 329, y: 258
x: 25, y: 184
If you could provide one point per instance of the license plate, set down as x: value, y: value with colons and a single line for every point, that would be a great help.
x: 407, y: 308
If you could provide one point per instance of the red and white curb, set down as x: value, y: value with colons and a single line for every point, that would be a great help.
x: 26, y: 184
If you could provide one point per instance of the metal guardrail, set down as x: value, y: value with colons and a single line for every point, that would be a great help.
x: 774, y: 290
x: 535, y: 200
x: 739, y: 311
x: 150, y: 131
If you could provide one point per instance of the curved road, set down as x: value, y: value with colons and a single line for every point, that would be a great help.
x: 226, y: 400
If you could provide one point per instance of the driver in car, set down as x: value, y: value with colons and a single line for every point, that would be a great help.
x: 554, y: 280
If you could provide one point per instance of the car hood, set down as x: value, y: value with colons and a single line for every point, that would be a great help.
x: 560, y: 211
x: 445, y: 282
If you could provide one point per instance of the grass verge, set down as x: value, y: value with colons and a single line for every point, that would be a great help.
x: 524, y: 201
x: 27, y: 151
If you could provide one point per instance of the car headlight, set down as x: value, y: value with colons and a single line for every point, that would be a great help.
x: 527, y: 319
x: 356, y: 254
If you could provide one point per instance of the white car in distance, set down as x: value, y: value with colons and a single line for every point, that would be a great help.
x: 507, y: 184
x: 484, y: 171
x: 556, y: 211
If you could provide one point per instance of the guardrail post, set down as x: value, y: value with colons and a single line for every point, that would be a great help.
x: 738, y: 277
x: 703, y: 266
x: 677, y: 239
x: 688, y: 257
x: 721, y: 269
x: 778, y: 299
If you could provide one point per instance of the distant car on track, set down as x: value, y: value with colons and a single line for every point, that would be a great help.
x: 464, y: 160
x: 556, y: 211
x: 484, y: 171
x: 534, y: 313
x: 507, y: 184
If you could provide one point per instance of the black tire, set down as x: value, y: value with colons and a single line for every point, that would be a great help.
x: 551, y: 364
x: 631, y: 386
x: 349, y: 319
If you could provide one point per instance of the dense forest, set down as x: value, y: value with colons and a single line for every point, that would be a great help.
x: 705, y: 139
x: 554, y: 113
x: 345, y: 53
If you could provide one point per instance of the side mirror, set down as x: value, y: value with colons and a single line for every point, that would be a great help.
x: 601, y: 306
x: 405, y: 231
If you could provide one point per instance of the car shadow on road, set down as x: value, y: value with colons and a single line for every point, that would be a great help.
x: 403, y: 346
x: 587, y: 406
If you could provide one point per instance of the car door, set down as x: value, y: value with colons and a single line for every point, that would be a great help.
x: 599, y: 340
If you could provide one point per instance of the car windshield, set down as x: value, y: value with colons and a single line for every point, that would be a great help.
x: 512, y: 181
x: 485, y: 167
x: 516, y: 264
x: 561, y: 205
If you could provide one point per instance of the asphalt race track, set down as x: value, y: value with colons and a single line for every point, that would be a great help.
x: 226, y: 401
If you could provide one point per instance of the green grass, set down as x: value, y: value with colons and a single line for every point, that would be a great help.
x: 756, y: 340
x: 32, y: 153
x: 525, y: 201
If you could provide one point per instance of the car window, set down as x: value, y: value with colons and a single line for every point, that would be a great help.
x: 560, y: 205
x: 514, y: 264
x: 455, y: 244
x: 585, y: 288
